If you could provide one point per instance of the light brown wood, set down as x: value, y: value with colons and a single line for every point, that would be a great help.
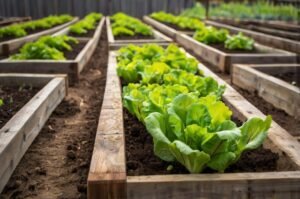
x: 160, y: 38
x: 8, y: 47
x: 20, y: 131
x: 70, y: 67
x: 233, y: 185
x: 13, y: 20
x: 269, y: 40
x: 107, y: 175
x: 224, y: 61
x: 275, y: 91
x: 108, y: 178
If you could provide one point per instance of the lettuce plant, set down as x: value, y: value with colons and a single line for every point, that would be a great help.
x: 239, y: 42
x: 211, y: 35
x: 183, y: 111
x: 86, y: 24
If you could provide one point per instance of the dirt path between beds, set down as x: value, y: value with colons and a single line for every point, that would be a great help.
x: 57, y: 163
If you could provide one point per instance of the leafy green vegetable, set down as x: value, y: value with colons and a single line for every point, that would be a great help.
x: 182, y: 111
x: 211, y: 35
x: 88, y: 23
x: 239, y: 42
x: 1, y: 102
x: 19, y: 30
x: 124, y: 25
x: 47, y: 47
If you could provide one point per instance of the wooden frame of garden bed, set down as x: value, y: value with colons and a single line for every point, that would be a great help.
x: 97, y: 32
x: 8, y: 47
x: 70, y: 67
x: 274, y: 90
x: 108, y: 179
x: 224, y: 61
x: 160, y: 39
x: 12, y: 20
x: 269, y: 40
x: 19, y: 132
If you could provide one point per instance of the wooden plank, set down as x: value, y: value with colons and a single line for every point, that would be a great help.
x: 19, y: 132
x: 269, y: 40
x: 225, y: 185
x: 275, y: 91
x: 116, y: 44
x: 10, y: 46
x: 12, y: 20
x: 107, y: 175
x: 224, y: 61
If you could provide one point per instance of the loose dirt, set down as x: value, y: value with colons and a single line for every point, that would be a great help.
x: 57, y: 163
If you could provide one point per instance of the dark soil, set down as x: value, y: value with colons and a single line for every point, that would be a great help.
x: 290, y: 77
x: 135, y: 37
x: 291, y: 124
x: 14, y: 99
x: 142, y: 161
x: 56, y: 165
x: 222, y: 48
x: 76, y: 49
x: 89, y: 34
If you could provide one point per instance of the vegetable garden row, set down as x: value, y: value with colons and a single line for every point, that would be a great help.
x: 172, y: 123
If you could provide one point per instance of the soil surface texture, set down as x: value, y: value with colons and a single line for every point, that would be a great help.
x: 76, y: 49
x: 14, y: 98
x: 142, y: 161
x: 56, y: 164
x: 290, y: 77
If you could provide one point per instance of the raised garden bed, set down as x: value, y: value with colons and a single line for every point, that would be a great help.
x: 78, y: 58
x: 91, y: 34
x: 263, y: 80
x: 266, y: 39
x: 10, y: 46
x: 31, y: 113
x: 225, y: 59
x: 8, y: 21
x: 117, y: 43
x: 108, y: 177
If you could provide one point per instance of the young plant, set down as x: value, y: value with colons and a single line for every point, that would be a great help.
x: 86, y: 24
x: 211, y: 35
x: 239, y: 42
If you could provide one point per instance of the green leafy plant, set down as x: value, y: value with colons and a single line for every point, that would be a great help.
x: 183, y: 111
x: 20, y: 30
x: 47, y: 47
x: 86, y: 24
x: 239, y: 42
x: 124, y: 25
x: 211, y: 35
x: 1, y: 102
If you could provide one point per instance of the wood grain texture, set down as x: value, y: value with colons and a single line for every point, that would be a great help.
x: 10, y: 46
x: 269, y: 40
x: 107, y: 175
x: 19, y: 132
x: 275, y: 91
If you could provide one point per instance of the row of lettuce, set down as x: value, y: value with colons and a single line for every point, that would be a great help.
x: 207, y: 34
x: 55, y: 47
x: 182, y: 110
x: 124, y: 25
x: 20, y: 30
x: 263, y: 10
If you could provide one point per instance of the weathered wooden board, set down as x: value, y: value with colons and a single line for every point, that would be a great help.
x: 97, y: 32
x: 12, y: 20
x: 269, y: 40
x: 20, y: 131
x: 108, y: 178
x: 224, y: 61
x: 8, y: 47
x: 70, y: 67
x: 275, y: 91
x: 116, y: 44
